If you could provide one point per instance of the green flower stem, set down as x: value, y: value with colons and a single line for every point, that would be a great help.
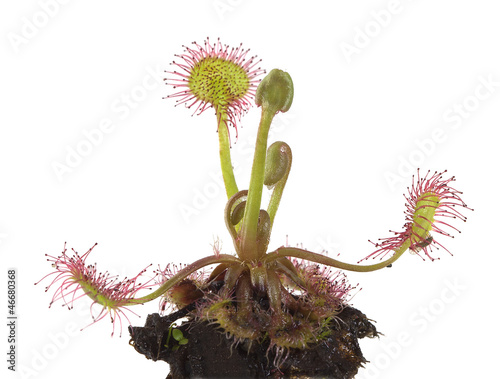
x: 248, y: 250
x: 225, y: 155
x: 182, y: 274
x: 321, y: 259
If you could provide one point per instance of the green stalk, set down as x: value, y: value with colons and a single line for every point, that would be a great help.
x: 248, y: 251
x: 274, y: 202
x: 322, y: 259
x: 225, y: 155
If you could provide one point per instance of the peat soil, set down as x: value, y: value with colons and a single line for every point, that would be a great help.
x: 208, y: 352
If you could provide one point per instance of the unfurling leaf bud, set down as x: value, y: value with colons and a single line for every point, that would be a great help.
x: 275, y: 91
x: 277, y: 162
x: 184, y: 293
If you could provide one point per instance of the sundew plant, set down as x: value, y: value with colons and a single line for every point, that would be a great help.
x: 286, y: 296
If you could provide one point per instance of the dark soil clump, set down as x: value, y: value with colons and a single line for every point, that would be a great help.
x: 208, y: 353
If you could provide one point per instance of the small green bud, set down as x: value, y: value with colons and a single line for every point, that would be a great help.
x: 275, y: 91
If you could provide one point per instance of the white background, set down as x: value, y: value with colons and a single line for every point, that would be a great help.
x: 358, y: 119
